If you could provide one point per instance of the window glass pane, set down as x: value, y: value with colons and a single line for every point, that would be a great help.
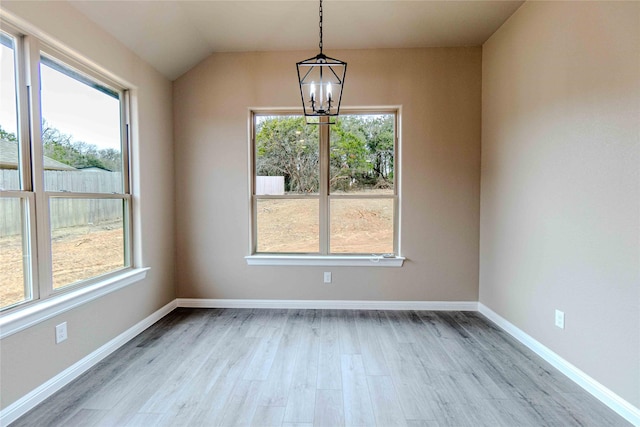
x: 363, y: 226
x: 14, y: 283
x: 87, y: 238
x: 362, y: 154
x: 288, y: 225
x: 287, y: 160
x: 9, y: 152
x: 81, y: 132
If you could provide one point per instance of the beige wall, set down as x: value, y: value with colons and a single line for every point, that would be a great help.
x: 560, y: 211
x: 560, y: 206
x: 31, y: 357
x: 439, y: 91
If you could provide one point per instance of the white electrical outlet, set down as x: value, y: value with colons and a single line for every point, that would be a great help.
x: 327, y: 277
x: 61, y: 332
x: 560, y: 319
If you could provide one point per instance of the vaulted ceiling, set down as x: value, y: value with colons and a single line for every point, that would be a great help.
x: 173, y: 36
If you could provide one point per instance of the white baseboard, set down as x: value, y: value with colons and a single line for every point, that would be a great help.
x: 600, y: 392
x: 329, y: 304
x: 38, y: 395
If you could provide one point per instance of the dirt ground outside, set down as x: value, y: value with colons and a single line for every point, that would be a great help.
x: 363, y: 226
x: 78, y: 253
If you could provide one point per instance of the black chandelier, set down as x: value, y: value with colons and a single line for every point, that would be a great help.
x: 321, y: 79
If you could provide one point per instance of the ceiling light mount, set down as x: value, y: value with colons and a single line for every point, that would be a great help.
x: 321, y: 81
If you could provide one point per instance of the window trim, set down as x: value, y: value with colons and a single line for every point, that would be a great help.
x: 324, y: 258
x: 46, y: 302
x: 34, y: 312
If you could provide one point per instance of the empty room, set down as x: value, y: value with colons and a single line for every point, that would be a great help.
x: 320, y: 213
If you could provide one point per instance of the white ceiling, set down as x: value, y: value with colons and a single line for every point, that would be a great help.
x: 173, y: 36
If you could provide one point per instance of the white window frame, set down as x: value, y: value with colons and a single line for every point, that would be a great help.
x: 324, y: 197
x: 46, y: 302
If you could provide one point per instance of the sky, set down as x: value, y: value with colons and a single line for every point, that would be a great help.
x: 69, y: 105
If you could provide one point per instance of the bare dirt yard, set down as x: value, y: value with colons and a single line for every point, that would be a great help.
x: 78, y: 253
x: 362, y: 226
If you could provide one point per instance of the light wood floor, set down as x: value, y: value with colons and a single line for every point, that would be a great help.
x: 199, y: 367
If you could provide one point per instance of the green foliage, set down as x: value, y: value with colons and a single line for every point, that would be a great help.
x: 380, y: 142
x: 361, y: 152
x: 348, y: 154
x: 79, y: 154
x: 285, y: 146
x: 61, y: 147
x: 378, y: 135
x: 7, y: 136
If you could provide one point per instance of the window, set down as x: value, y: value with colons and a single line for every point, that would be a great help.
x: 324, y: 190
x: 65, y: 203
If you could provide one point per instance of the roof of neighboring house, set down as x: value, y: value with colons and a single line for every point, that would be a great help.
x: 93, y: 169
x: 9, y: 158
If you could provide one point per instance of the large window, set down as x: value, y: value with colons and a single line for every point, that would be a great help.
x: 65, y: 202
x: 325, y: 190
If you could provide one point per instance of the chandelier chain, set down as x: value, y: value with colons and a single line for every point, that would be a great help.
x: 320, y: 44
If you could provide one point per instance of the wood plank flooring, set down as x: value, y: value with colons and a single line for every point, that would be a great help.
x: 243, y: 367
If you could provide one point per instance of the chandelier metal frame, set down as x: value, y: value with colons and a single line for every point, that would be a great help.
x: 321, y: 80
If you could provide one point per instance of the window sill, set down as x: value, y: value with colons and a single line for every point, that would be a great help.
x: 326, y: 260
x: 23, y: 318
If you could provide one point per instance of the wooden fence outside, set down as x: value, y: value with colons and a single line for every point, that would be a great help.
x: 65, y: 212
